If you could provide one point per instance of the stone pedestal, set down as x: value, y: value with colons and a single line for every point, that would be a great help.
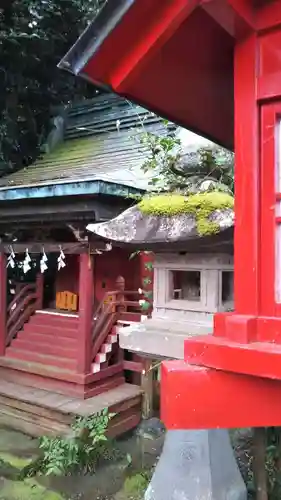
x: 197, y: 465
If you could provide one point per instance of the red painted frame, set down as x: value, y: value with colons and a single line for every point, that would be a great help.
x: 269, y: 118
x: 242, y: 356
x: 201, y: 398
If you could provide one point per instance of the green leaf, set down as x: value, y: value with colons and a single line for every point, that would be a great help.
x: 148, y: 266
x: 145, y: 306
x: 146, y: 281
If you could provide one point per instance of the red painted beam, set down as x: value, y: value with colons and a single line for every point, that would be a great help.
x: 261, y: 359
x: 144, y: 29
x: 133, y: 366
x: 200, y: 398
x: 237, y: 17
x: 269, y: 16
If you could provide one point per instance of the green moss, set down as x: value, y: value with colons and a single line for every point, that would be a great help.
x: 26, y: 490
x: 74, y: 150
x: 17, y: 462
x: 135, y: 485
x: 200, y: 205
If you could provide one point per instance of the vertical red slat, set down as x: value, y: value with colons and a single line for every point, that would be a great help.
x: 3, y: 303
x: 247, y: 193
x: 86, y: 294
x: 268, y: 207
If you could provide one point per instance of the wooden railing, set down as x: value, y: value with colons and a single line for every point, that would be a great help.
x: 108, y: 312
x: 23, y: 305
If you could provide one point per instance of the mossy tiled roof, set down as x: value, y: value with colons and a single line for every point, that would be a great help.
x: 99, y: 143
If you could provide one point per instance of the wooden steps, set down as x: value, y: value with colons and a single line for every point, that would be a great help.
x: 44, y: 355
x: 43, y: 338
x: 41, y: 358
x: 51, y: 330
x: 58, y: 380
x: 105, y: 350
x: 39, y: 412
x: 47, y: 339
x: 44, y: 347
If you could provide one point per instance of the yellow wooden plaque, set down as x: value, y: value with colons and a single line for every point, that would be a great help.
x: 108, y: 298
x: 67, y: 301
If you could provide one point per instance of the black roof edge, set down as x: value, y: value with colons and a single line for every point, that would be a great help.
x: 94, y: 35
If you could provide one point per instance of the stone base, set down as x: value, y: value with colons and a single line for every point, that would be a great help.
x: 197, y: 465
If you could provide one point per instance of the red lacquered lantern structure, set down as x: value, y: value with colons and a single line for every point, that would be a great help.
x: 213, y: 66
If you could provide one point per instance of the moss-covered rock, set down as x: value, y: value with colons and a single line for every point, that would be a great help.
x: 16, y: 443
x: 200, y: 205
x: 26, y: 490
x: 16, y: 462
x: 134, y: 486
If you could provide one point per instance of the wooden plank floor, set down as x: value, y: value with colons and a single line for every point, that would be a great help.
x: 40, y: 412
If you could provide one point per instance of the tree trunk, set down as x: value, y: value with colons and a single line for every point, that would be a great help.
x: 259, y: 456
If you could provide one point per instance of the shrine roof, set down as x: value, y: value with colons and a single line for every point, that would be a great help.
x: 92, y: 141
x: 155, y: 64
x: 207, y: 220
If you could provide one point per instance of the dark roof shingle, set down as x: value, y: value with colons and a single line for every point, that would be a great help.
x: 99, y: 144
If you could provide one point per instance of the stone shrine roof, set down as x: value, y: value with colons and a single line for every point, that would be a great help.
x: 140, y: 228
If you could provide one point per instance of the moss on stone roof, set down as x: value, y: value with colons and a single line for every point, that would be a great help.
x: 201, y: 205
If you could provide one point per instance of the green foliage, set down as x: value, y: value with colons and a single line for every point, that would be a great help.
x: 273, y: 462
x: 201, y: 205
x: 172, y: 170
x: 148, y: 266
x: 272, y: 465
x: 146, y: 282
x: 34, y: 36
x: 136, y: 485
x: 77, y: 453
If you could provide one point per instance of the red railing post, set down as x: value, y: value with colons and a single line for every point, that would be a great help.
x: 3, y: 303
x: 39, y: 290
x: 120, y: 295
x: 86, y: 292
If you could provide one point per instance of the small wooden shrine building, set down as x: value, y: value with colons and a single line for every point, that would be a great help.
x: 63, y: 290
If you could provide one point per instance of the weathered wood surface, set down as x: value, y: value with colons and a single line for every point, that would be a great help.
x: 38, y: 412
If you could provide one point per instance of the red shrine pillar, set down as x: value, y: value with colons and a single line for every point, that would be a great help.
x: 3, y: 303
x: 233, y: 377
x: 86, y: 293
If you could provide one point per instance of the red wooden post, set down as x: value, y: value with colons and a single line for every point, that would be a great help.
x: 3, y: 303
x: 120, y: 297
x: 241, y: 325
x: 39, y: 290
x: 86, y: 292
